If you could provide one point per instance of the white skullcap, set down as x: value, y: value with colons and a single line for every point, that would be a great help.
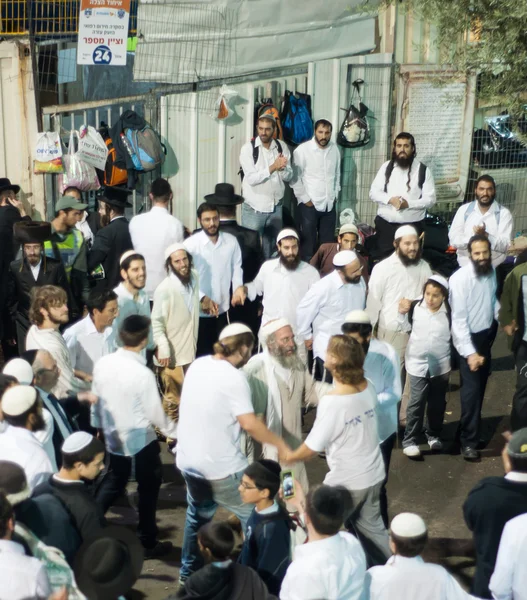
x: 18, y: 399
x: 286, y: 233
x: 272, y: 327
x: 20, y: 369
x: 76, y: 442
x: 173, y: 248
x: 405, y: 230
x: 408, y: 525
x: 349, y: 228
x: 439, y: 279
x: 233, y: 329
x: 126, y: 255
x: 344, y: 257
x: 358, y: 316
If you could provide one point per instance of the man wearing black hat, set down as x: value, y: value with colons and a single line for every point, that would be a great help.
x: 34, y: 268
x: 111, y: 242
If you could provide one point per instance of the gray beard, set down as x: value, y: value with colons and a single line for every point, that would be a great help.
x: 289, y: 362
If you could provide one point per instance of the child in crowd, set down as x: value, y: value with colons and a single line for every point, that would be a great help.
x: 427, y: 364
x: 267, y: 545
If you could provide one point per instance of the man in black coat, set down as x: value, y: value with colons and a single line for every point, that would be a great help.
x: 110, y: 242
x: 33, y: 269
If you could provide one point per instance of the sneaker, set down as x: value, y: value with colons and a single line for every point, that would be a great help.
x: 160, y: 549
x: 469, y: 453
x: 412, y: 451
x: 436, y: 445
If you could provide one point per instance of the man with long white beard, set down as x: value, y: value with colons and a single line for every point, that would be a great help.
x: 283, y: 387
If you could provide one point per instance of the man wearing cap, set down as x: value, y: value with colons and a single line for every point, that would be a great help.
x: 67, y: 244
x: 381, y: 367
x: 492, y: 503
x: 152, y: 232
x: 323, y: 308
x: 406, y: 576
x: 33, y: 269
x: 266, y: 165
x: 347, y: 239
x: 111, y: 242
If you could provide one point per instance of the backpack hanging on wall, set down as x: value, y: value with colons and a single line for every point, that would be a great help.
x: 297, y: 123
x: 355, y: 129
x: 112, y: 174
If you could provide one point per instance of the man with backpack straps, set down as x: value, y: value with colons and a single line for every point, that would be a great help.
x: 266, y: 165
x: 404, y: 190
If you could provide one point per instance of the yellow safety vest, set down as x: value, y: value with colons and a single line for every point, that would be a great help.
x: 67, y: 249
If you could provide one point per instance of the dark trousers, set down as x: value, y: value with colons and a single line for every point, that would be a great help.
x: 321, y: 373
x: 519, y: 402
x: 385, y: 234
x: 148, y: 476
x: 316, y: 227
x: 473, y: 385
x: 208, y: 333
x: 386, y: 451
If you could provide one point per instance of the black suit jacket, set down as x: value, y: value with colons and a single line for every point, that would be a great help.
x: 110, y: 243
x: 250, y: 245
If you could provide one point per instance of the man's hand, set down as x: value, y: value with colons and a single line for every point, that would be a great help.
x: 19, y: 205
x: 163, y: 362
x: 279, y: 164
x: 298, y: 501
x: 395, y: 202
x: 308, y: 344
x: 511, y: 328
x: 475, y: 361
x: 480, y: 229
x: 61, y: 594
x: 83, y: 375
x: 239, y: 296
x: 404, y: 306
x: 404, y: 204
x: 309, y: 204
x: 209, y: 307
x: 87, y: 397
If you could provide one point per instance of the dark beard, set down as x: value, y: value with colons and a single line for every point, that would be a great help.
x: 482, y: 270
x: 409, y: 262
x: 290, y: 265
x: 404, y: 163
x: 184, y: 280
x: 353, y: 280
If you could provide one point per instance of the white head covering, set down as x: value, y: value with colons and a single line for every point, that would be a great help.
x: 233, y: 329
x: 20, y: 369
x: 405, y: 230
x: 272, y: 327
x: 173, y: 248
x: 76, y: 442
x: 126, y: 255
x: 286, y: 233
x: 344, y: 257
x: 439, y: 279
x: 18, y: 399
x: 408, y: 525
x: 358, y: 316
x: 349, y: 228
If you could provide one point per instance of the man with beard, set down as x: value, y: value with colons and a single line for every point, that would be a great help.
x: 394, y: 283
x: 316, y: 184
x: 321, y: 311
x: 283, y: 281
x: 474, y: 325
x: 404, y: 190
x: 218, y: 261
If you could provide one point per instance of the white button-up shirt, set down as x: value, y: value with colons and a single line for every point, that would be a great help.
x: 317, y: 174
x: 218, y: 265
x: 35, y: 270
x: 45, y: 437
x: 129, y: 305
x: 332, y: 568
x: 282, y: 289
x: 500, y: 234
x: 509, y: 580
x: 322, y: 310
x: 21, y: 447
x: 418, y: 200
x: 86, y: 345
x: 152, y: 233
x: 129, y: 403
x: 261, y: 189
x: 382, y: 368
x: 391, y: 281
x: 474, y: 306
x: 22, y: 576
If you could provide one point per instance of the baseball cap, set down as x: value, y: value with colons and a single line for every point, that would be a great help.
x: 69, y: 202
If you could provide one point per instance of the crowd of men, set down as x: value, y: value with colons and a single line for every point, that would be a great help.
x: 117, y: 335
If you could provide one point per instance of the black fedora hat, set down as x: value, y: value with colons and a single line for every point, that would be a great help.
x: 224, y: 195
x: 116, y: 196
x: 108, y: 564
x: 5, y: 184
x: 32, y: 232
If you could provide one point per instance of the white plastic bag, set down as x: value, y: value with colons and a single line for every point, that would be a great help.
x: 48, y: 153
x: 222, y: 108
x: 92, y: 149
x: 77, y: 173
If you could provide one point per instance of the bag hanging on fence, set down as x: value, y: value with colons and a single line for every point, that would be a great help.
x: 145, y: 148
x: 111, y: 174
x: 92, y: 149
x: 48, y: 153
x: 355, y: 129
x: 297, y: 123
x: 77, y: 173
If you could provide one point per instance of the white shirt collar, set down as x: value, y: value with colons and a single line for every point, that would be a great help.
x: 115, y: 218
x: 132, y: 355
x: 122, y: 290
x: 12, y: 547
x: 517, y: 476
x: 258, y: 143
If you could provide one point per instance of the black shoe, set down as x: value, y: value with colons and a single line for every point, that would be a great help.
x: 160, y: 549
x: 469, y: 453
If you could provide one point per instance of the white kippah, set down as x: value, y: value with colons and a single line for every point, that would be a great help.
x: 358, y: 316
x: 20, y: 369
x: 76, y: 442
x: 405, y: 230
x: 344, y: 257
x: 286, y: 233
x: 349, y: 228
x: 272, y: 327
x: 126, y: 255
x: 408, y: 525
x: 439, y: 279
x: 173, y: 248
x: 18, y: 399
x: 233, y: 329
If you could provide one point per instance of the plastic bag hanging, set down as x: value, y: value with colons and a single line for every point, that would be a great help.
x: 77, y: 173
x: 92, y: 148
x: 48, y: 153
x: 223, y: 107
x: 355, y: 129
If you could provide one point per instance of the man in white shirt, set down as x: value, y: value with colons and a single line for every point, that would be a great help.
x: 129, y: 408
x: 474, y: 325
x: 322, y: 310
x: 216, y: 402
x: 316, y: 184
x: 266, y: 165
x: 482, y: 216
x: 405, y: 575
x: 22, y: 576
x: 23, y: 415
x: 509, y: 580
x: 404, y: 190
x: 218, y: 260
x: 381, y: 367
x: 154, y: 231
x: 331, y: 564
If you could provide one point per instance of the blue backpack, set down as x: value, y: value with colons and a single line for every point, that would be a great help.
x: 145, y: 148
x: 297, y: 124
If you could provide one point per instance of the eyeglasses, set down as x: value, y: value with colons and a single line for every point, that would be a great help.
x: 246, y: 486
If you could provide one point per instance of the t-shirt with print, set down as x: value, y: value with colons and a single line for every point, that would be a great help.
x: 346, y: 429
x: 214, y: 394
